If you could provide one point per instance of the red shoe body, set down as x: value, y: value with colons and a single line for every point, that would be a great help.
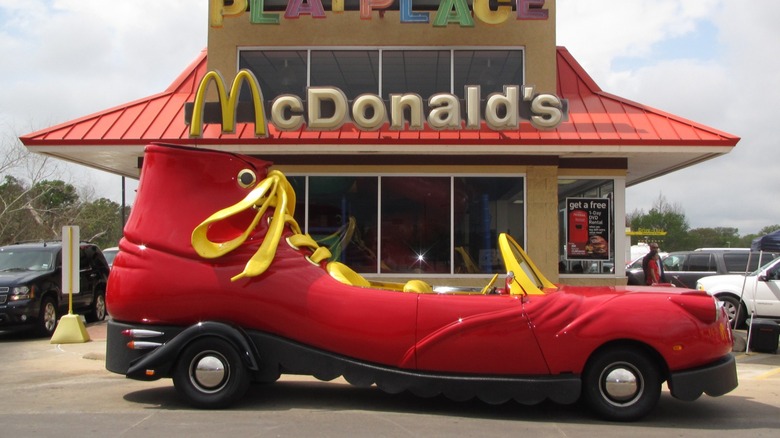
x: 195, y: 277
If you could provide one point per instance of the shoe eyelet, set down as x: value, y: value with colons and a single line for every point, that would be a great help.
x: 287, y: 239
x: 246, y: 178
x: 311, y: 261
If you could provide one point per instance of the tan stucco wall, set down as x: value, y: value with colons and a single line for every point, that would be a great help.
x: 542, y: 219
x: 348, y: 30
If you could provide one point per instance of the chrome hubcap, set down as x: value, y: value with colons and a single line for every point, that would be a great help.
x: 621, y: 384
x: 209, y: 371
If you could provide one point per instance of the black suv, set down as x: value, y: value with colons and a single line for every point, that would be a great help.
x: 31, y: 285
x: 684, y: 268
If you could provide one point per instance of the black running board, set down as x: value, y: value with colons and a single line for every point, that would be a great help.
x: 293, y: 358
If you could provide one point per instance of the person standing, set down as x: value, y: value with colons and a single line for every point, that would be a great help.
x: 654, y: 256
x: 653, y: 275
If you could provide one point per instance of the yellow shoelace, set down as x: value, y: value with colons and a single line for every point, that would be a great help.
x: 274, y: 191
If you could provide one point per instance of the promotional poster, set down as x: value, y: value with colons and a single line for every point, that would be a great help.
x: 587, y: 228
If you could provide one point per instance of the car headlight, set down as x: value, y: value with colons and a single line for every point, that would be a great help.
x: 21, y: 293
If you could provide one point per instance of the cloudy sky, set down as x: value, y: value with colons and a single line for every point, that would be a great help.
x: 712, y: 61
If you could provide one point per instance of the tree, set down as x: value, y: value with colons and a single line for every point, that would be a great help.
x: 663, y: 216
x: 14, y: 217
x: 52, y: 205
x: 721, y: 237
x: 34, y: 205
x: 100, y: 222
x: 746, y: 240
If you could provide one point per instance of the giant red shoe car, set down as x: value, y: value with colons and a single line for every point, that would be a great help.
x: 216, y: 287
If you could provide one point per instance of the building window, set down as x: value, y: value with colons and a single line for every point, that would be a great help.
x: 383, y: 71
x: 586, y: 230
x: 354, y: 72
x: 425, y: 72
x: 412, y: 224
x: 277, y: 71
x: 491, y: 69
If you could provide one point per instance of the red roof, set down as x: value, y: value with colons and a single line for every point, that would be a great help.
x: 598, y: 120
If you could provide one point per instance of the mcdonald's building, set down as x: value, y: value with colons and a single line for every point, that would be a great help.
x: 414, y: 132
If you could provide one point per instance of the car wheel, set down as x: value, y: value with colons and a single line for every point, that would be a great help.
x: 731, y: 304
x: 210, y: 374
x: 98, y: 310
x: 47, y: 317
x: 621, y: 384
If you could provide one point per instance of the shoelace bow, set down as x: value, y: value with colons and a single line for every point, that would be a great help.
x: 272, y: 192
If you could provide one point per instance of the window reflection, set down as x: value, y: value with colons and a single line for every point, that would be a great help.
x: 420, y: 217
x: 415, y: 225
x: 484, y: 208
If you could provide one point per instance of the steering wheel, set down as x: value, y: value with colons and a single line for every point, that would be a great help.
x: 487, y: 289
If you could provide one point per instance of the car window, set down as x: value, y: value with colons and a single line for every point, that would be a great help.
x: 699, y: 263
x: 738, y: 262
x: 85, y: 262
x: 674, y: 262
x: 25, y: 260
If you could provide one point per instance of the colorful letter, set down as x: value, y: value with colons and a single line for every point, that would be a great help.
x: 218, y: 10
x: 409, y: 16
x: 259, y: 16
x: 446, y: 15
x: 366, y: 6
x: 484, y: 14
x: 531, y: 10
x: 297, y: 7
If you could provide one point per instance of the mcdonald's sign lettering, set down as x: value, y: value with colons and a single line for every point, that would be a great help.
x: 368, y: 112
x: 228, y: 103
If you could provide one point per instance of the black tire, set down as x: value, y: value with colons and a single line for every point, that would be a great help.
x: 97, y: 312
x: 209, y: 374
x: 48, y: 316
x: 732, y: 306
x: 621, y: 384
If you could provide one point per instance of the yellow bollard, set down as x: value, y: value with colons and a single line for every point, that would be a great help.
x: 70, y: 330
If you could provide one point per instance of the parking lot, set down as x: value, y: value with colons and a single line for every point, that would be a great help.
x: 64, y: 390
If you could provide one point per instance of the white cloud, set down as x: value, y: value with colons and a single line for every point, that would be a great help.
x: 65, y: 59
x: 733, y: 91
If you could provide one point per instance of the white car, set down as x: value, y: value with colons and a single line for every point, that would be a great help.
x: 757, y: 293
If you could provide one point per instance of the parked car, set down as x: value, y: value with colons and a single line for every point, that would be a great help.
x: 758, y: 292
x: 31, y: 291
x: 110, y: 254
x: 223, y: 289
x: 685, y: 268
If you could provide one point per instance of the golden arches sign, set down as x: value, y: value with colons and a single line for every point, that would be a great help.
x: 228, y: 102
